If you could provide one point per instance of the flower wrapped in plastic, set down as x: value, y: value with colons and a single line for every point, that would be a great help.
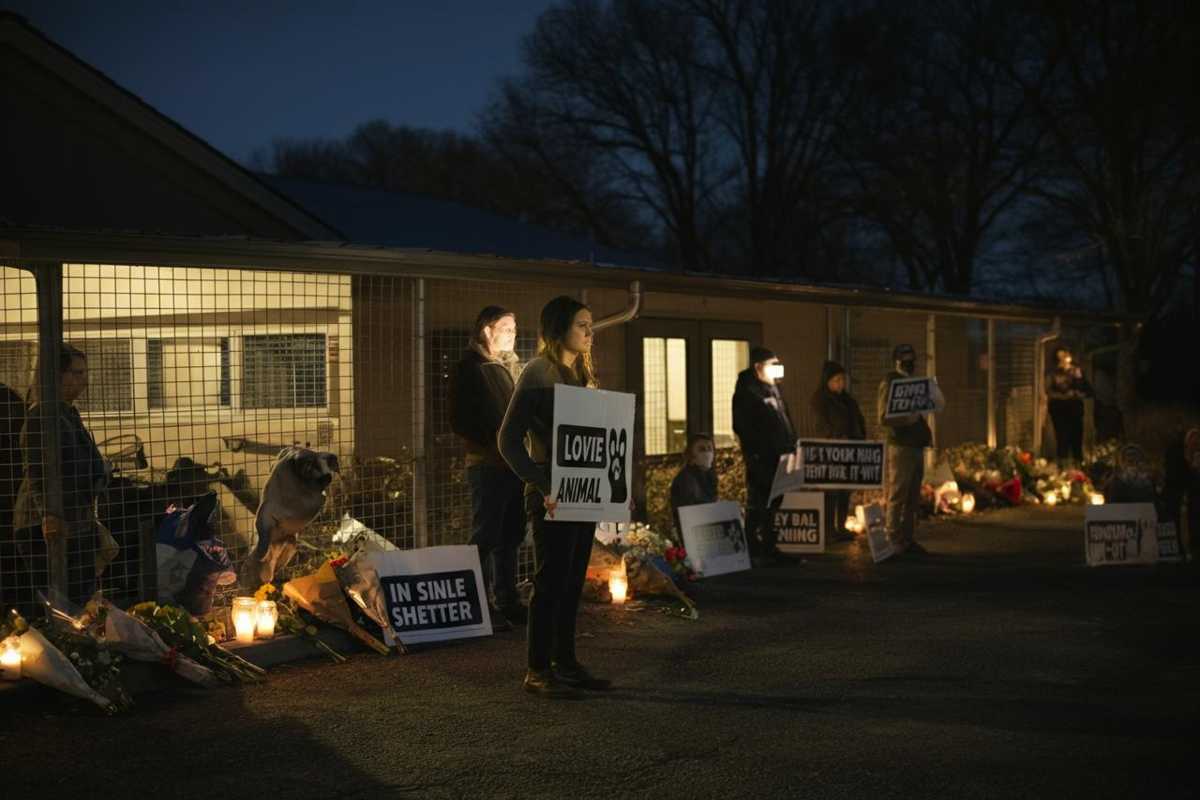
x: 180, y: 630
x: 320, y: 594
x: 136, y: 640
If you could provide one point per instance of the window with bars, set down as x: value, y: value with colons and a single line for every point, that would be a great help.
x: 284, y: 371
x: 188, y: 373
x: 664, y: 381
x: 729, y: 357
x: 18, y: 363
x: 110, y: 376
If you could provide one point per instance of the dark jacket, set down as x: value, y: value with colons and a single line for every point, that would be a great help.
x: 692, y: 486
x: 905, y: 431
x: 528, y: 427
x: 761, y: 421
x: 83, y: 473
x: 838, y: 415
x: 1063, y: 385
x: 480, y: 390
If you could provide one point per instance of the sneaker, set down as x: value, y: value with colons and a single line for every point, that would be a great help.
x: 576, y: 675
x: 542, y: 682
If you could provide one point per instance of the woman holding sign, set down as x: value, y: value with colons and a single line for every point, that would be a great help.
x: 838, y: 417
x: 561, y: 549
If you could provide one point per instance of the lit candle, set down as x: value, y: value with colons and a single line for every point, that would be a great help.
x: 268, y: 614
x: 1066, y: 492
x: 968, y: 502
x: 1097, y: 499
x: 10, y: 659
x: 1051, y: 498
x: 618, y: 585
x: 245, y: 613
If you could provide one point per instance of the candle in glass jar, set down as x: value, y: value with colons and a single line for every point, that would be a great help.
x: 245, y: 618
x: 268, y: 614
x: 618, y: 585
x: 10, y: 659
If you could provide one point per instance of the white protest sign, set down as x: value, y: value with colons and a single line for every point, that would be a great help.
x: 715, y: 538
x: 788, y: 477
x: 432, y: 594
x: 871, y: 520
x: 1168, y: 543
x: 592, y: 454
x: 841, y: 464
x: 1121, y: 533
x: 911, y: 396
x: 800, y: 523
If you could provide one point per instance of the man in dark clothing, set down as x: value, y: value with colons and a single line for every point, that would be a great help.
x: 1181, y: 472
x: 907, y: 437
x: 1065, y: 390
x: 696, y: 483
x: 480, y: 388
x: 764, y: 429
x: 838, y: 417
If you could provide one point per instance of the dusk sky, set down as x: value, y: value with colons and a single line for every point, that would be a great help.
x: 240, y: 74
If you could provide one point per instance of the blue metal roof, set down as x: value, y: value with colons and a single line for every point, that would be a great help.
x: 403, y: 219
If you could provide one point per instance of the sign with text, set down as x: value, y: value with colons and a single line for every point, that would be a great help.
x: 800, y: 524
x: 871, y: 520
x: 1121, y: 533
x: 788, y: 477
x: 715, y: 538
x: 432, y: 594
x: 1168, y: 543
x: 841, y: 464
x: 911, y: 396
x: 593, y: 454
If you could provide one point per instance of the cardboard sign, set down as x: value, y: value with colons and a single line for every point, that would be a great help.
x: 715, y: 538
x: 592, y: 454
x: 432, y: 594
x: 1168, y: 543
x: 800, y: 523
x: 1122, y: 533
x: 910, y: 396
x: 871, y: 520
x: 788, y: 477
x: 841, y: 464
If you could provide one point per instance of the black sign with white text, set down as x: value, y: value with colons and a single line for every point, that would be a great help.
x: 910, y: 396
x: 437, y: 600
x: 840, y: 464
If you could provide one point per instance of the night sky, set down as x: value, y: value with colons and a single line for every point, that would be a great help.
x: 240, y: 74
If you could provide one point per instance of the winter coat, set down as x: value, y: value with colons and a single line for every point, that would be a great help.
x: 480, y: 390
x: 1069, y: 384
x: 83, y: 472
x: 692, y: 486
x: 761, y: 421
x: 837, y: 414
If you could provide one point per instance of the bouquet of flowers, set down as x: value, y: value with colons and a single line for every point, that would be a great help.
x: 59, y: 654
x: 320, y: 594
x: 137, y: 641
x: 187, y: 636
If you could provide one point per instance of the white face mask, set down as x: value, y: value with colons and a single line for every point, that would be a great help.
x: 705, y: 460
x: 774, y: 371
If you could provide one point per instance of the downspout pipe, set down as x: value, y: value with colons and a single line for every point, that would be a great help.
x: 1039, y: 379
x: 632, y: 309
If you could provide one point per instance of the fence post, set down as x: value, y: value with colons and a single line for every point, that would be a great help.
x: 420, y: 503
x: 931, y: 370
x: 50, y: 336
x: 991, y: 383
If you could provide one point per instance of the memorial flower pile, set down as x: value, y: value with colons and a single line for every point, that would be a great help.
x: 189, y: 637
x: 1010, y: 476
x: 291, y: 622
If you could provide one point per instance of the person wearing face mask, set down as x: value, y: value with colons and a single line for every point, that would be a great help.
x: 481, y: 387
x: 696, y: 483
x: 907, y: 437
x: 1065, y: 390
x: 838, y: 417
x: 764, y: 430
x: 1181, y: 485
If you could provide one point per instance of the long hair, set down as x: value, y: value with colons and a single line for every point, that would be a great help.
x: 553, y: 327
x: 488, y: 316
x: 66, y: 354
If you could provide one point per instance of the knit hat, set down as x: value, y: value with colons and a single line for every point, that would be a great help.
x: 759, y: 354
x: 903, y: 351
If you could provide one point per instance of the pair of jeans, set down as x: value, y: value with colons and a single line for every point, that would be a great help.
x: 561, y: 552
x: 906, y: 469
x: 497, y: 528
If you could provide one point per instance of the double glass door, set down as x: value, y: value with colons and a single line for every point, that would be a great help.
x: 685, y: 372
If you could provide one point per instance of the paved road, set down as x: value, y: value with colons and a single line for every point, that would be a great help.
x: 998, y: 667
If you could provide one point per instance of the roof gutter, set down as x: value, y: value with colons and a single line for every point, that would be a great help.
x: 632, y: 309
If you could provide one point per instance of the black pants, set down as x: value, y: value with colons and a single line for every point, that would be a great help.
x: 497, y: 528
x: 837, y: 508
x: 561, y: 552
x: 760, y: 522
x: 1067, y: 416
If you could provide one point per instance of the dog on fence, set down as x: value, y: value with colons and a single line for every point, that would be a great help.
x: 294, y: 494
